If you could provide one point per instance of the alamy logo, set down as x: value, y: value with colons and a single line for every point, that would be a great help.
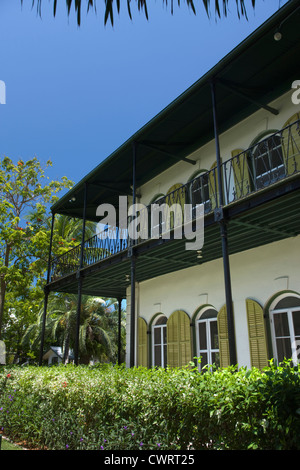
x: 296, y: 94
x: 140, y: 222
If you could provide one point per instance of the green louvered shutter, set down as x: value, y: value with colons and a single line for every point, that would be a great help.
x: 257, y: 334
x: 223, y: 337
x: 291, y: 145
x: 178, y: 339
x: 213, y: 186
x: 241, y: 173
x: 142, y: 343
x: 176, y: 195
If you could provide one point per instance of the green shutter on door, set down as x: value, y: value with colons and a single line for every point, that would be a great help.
x: 223, y: 337
x: 291, y: 145
x: 257, y: 334
x: 176, y: 195
x: 178, y: 339
x: 240, y: 173
x: 142, y: 343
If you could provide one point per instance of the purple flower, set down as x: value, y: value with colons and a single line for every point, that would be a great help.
x: 141, y: 444
x: 67, y: 446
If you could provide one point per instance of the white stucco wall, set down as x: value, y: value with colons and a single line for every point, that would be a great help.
x: 258, y: 273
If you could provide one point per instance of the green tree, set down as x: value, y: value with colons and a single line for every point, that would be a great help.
x: 98, y: 327
x: 25, y: 195
x: 112, y: 5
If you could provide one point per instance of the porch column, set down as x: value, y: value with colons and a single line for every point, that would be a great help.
x: 80, y: 278
x: 46, y: 290
x: 219, y: 216
x: 131, y: 253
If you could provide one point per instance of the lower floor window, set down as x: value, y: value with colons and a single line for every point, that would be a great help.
x: 160, y: 342
x: 285, y: 321
x: 207, y: 340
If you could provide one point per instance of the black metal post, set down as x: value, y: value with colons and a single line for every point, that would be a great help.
x: 46, y: 290
x: 133, y: 266
x: 119, y: 329
x: 80, y: 279
x: 223, y: 229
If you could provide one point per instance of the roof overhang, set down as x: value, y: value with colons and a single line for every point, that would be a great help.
x: 253, y: 75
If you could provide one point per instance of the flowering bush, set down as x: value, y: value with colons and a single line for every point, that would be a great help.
x: 111, y: 407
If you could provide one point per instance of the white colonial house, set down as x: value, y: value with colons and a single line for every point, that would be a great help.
x: 230, y: 144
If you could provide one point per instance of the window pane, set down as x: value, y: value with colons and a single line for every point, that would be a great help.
x: 203, y: 360
x: 281, y: 324
x: 157, y: 336
x: 287, y: 302
x: 202, y: 335
x: 215, y: 357
x: 157, y: 356
x: 214, y: 335
x: 164, y: 328
x: 165, y: 356
x: 283, y: 349
x: 296, y: 322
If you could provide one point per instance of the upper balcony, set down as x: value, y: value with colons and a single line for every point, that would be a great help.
x: 271, y: 163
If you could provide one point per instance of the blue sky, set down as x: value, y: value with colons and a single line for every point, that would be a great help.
x: 74, y: 95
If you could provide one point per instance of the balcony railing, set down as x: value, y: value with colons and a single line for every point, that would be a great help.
x: 267, y: 162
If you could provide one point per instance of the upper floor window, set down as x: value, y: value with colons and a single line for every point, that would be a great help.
x: 285, y: 324
x: 199, y: 191
x: 268, y: 161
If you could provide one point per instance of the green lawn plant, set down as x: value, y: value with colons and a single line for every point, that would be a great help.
x: 115, y: 408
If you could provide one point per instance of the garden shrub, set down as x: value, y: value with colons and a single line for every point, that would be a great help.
x: 111, y: 407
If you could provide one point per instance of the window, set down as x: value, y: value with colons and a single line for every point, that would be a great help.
x: 285, y: 322
x: 207, y: 338
x: 156, y: 218
x: 199, y: 191
x: 159, y: 335
x: 268, y: 161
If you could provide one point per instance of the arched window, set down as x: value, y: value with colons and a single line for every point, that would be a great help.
x: 159, y: 341
x: 207, y: 337
x: 285, y: 327
x: 199, y: 191
x: 155, y: 216
x: 268, y: 161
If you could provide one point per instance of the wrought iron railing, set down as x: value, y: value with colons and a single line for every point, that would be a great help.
x: 267, y: 162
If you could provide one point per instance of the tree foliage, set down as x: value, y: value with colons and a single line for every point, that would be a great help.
x: 111, y: 6
x: 25, y: 196
x: 97, y: 333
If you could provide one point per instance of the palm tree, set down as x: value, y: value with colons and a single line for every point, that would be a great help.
x: 98, y: 327
x: 142, y: 5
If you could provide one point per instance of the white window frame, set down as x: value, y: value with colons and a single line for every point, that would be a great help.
x: 209, y: 351
x: 260, y: 177
x: 161, y: 344
x: 291, y: 331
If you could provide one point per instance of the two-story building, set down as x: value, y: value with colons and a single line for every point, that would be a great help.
x: 230, y: 144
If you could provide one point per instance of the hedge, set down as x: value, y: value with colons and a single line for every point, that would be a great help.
x: 113, y: 407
